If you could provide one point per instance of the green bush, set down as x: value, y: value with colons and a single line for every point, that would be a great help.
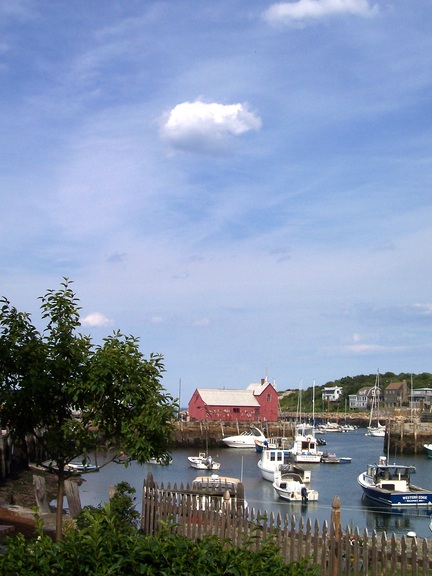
x: 107, y: 542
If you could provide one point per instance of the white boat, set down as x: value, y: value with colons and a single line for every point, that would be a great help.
x: 333, y: 459
x: 390, y: 484
x: 246, y: 439
x: 375, y: 429
x: 274, y: 460
x: 81, y: 467
x: 329, y: 427
x: 214, y: 489
x: 291, y: 487
x: 203, y: 462
x: 305, y: 447
x: 428, y: 448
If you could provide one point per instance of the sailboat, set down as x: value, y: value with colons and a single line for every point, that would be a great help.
x: 376, y: 430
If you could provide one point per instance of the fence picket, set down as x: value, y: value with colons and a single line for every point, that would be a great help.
x: 335, y: 552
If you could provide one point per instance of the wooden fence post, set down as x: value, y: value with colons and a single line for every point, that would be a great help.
x: 73, y: 498
x: 41, y: 495
x: 335, y: 529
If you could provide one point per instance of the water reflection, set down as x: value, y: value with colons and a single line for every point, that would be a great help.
x: 398, y: 520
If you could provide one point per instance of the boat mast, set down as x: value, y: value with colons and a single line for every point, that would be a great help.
x: 313, y: 403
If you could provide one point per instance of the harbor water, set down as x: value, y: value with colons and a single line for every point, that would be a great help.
x: 329, y: 480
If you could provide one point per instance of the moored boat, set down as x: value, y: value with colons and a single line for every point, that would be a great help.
x: 290, y: 486
x: 81, y: 467
x: 428, y: 448
x: 333, y: 459
x: 390, y: 484
x: 304, y: 449
x: 273, y: 461
x: 376, y: 429
x: 214, y: 489
x: 244, y: 440
x: 203, y: 462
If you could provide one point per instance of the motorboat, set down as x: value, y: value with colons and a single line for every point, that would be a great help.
x: 274, y: 460
x: 215, y: 489
x: 304, y: 449
x: 390, y: 484
x: 245, y: 439
x: 203, y: 462
x: 428, y: 448
x: 81, y: 467
x: 290, y: 486
x: 333, y: 459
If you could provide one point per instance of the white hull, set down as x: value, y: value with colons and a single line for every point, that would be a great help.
x: 376, y: 432
x: 290, y: 487
x: 245, y: 439
x: 203, y: 462
x: 273, y: 462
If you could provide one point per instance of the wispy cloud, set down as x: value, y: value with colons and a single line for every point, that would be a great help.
x: 206, y: 126
x: 305, y: 11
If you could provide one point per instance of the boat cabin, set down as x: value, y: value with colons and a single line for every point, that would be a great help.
x: 390, y: 477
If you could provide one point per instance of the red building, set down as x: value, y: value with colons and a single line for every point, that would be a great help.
x: 259, y: 402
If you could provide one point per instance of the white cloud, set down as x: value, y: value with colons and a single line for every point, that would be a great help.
x: 95, y: 320
x: 308, y: 10
x: 156, y: 320
x: 202, y: 126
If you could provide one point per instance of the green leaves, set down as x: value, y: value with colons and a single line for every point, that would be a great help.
x: 106, y: 542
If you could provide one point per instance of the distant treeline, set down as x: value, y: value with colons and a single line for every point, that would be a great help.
x: 290, y: 399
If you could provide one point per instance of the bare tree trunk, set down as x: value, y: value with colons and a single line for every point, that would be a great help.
x: 59, y: 514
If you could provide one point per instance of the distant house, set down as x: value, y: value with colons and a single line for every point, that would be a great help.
x: 361, y: 400
x: 364, y: 398
x: 396, y: 394
x: 421, y: 397
x: 331, y: 394
x: 259, y: 402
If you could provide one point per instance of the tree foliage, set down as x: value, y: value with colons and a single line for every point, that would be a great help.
x: 289, y: 401
x: 74, y: 396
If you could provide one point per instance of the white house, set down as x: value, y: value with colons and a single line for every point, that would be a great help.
x: 332, y: 394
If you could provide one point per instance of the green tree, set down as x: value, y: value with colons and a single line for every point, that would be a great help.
x: 76, y: 397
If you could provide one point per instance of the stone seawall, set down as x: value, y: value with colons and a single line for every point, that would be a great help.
x: 405, y: 437
x: 408, y: 437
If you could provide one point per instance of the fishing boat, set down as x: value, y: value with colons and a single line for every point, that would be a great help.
x: 428, y: 448
x: 390, y: 484
x: 246, y: 439
x: 203, y: 462
x: 305, y: 447
x: 375, y: 429
x: 275, y: 460
x: 270, y: 443
x: 290, y: 486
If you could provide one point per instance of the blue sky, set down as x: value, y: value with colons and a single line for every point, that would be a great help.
x: 246, y: 186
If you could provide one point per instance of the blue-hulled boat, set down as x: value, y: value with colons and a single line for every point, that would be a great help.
x: 390, y: 484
